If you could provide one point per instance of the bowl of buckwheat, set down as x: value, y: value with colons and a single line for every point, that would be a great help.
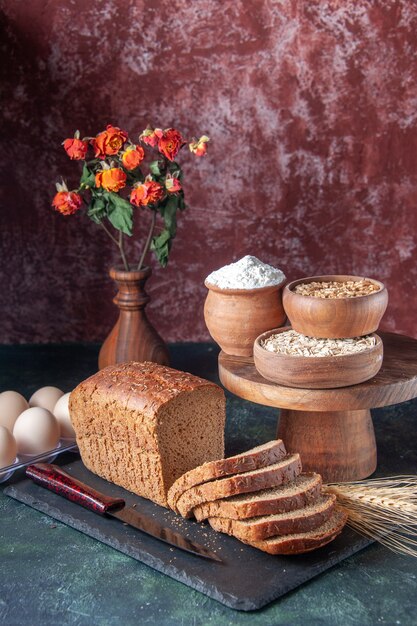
x: 289, y: 358
x: 335, y: 306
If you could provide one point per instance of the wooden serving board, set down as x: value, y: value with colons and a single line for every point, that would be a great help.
x: 248, y: 579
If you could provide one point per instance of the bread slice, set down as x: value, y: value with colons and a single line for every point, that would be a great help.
x: 303, y: 491
x: 299, y: 521
x: 261, y: 456
x: 143, y: 425
x: 277, y: 474
x: 296, y: 543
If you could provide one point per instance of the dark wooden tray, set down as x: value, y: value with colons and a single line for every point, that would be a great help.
x: 246, y: 580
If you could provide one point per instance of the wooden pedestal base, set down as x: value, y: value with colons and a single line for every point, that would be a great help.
x: 340, y: 445
x: 330, y: 428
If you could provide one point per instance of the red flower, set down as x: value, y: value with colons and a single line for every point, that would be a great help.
x: 75, y: 148
x: 109, y: 142
x: 67, y: 202
x: 170, y: 143
x: 149, y: 192
x: 132, y: 157
x: 150, y: 136
x: 199, y: 147
x: 112, y: 179
x: 172, y: 184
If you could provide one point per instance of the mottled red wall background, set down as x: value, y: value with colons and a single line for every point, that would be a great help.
x: 311, y: 108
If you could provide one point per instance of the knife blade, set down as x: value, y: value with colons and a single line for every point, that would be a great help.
x: 54, y: 478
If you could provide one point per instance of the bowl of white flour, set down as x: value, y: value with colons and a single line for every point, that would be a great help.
x: 244, y: 300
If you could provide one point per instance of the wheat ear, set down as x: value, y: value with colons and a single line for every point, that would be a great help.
x: 384, y: 509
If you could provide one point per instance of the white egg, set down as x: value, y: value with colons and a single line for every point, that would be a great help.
x: 46, y: 398
x: 8, y: 447
x: 12, y: 404
x: 36, y: 431
x: 61, y: 412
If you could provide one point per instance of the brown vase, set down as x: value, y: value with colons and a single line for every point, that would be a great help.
x: 133, y: 338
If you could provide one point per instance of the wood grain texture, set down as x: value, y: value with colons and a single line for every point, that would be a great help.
x: 331, y: 428
x: 334, y: 317
x: 235, y: 317
x: 320, y: 372
x: 340, y: 445
x: 395, y: 382
x: 133, y: 338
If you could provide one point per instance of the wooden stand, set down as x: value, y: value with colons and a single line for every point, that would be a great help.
x: 331, y: 428
x: 344, y: 442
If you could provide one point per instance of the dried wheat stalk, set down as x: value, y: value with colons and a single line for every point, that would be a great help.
x: 384, y: 509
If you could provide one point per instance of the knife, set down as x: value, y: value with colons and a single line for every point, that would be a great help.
x: 55, y: 479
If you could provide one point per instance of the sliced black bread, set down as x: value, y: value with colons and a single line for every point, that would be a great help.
x: 261, y: 456
x: 304, y: 490
x: 296, y: 543
x: 279, y: 473
x: 300, y: 521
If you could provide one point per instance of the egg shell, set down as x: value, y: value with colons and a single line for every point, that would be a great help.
x: 12, y: 404
x: 46, y: 398
x: 36, y: 431
x: 61, y: 412
x: 8, y: 447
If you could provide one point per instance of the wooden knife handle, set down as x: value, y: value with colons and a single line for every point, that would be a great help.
x: 55, y: 479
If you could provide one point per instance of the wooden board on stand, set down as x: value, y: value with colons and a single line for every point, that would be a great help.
x: 331, y: 428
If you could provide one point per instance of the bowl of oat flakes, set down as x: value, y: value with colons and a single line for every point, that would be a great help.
x: 289, y: 358
x: 335, y: 306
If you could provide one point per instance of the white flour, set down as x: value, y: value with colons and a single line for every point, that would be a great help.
x: 248, y: 273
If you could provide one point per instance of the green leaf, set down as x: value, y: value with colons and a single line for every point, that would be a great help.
x: 160, y: 240
x: 174, y: 169
x: 181, y: 202
x: 134, y: 176
x: 87, y: 177
x: 118, y: 201
x: 169, y: 213
x: 155, y: 168
x: 97, y: 209
x: 120, y: 213
x: 161, y: 245
x: 162, y: 255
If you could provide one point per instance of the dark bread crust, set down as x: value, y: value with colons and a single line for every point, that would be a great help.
x: 122, y: 415
x: 296, y: 543
x: 305, y: 490
x: 300, y: 521
x: 271, y: 476
x: 143, y: 387
x: 261, y: 456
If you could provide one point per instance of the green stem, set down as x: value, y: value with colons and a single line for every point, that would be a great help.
x: 148, y: 240
x: 119, y: 244
x: 122, y: 252
x: 109, y: 233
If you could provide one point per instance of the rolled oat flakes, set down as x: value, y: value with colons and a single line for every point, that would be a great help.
x: 295, y: 344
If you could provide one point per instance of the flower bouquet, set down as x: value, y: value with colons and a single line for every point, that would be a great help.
x: 113, y: 185
x: 115, y: 190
